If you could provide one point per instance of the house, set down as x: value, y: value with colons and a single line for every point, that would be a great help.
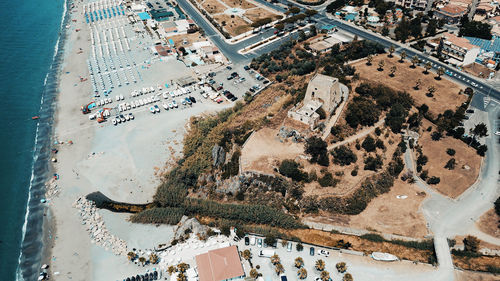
x: 220, y: 264
x: 450, y: 13
x: 488, y: 48
x: 322, y: 92
x: 414, y: 4
x: 458, y: 50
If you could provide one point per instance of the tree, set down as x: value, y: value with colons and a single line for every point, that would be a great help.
x: 290, y: 169
x: 497, y: 206
x: 440, y: 71
x: 182, y: 267
x: 476, y: 29
x: 142, y: 260
x: 279, y: 269
x: 392, y: 49
x: 302, y: 273
x: 343, y: 155
x: 369, y: 59
x: 402, y: 56
x: 480, y: 130
x: 471, y: 244
x: 171, y: 269
x: 481, y: 150
x: 275, y: 259
x: 310, y: 12
x: 381, y: 64
x: 450, y: 151
x: 392, y: 70
x: 427, y: 66
x: 131, y: 256
x: 317, y: 149
x: 431, y: 27
x: 341, y: 267
x: 369, y: 144
x: 430, y: 91
x: 417, y: 84
x: 153, y: 258
x: 299, y: 262
x: 414, y: 61
x: 320, y: 265
x: 299, y: 247
x: 385, y: 31
x: 270, y: 240
x: 254, y: 273
x: 181, y: 277
x: 246, y: 254
x: 347, y: 277
x: 294, y: 10
x: 416, y: 27
x: 450, y: 165
x: 279, y: 26
x: 325, y: 276
x: 402, y: 31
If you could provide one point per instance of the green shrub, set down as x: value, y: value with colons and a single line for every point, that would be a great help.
x: 289, y: 168
x: 159, y: 215
x: 343, y: 155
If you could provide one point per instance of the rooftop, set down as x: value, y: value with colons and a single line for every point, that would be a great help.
x: 492, y: 45
x: 461, y: 42
x: 453, y: 10
x: 220, y: 264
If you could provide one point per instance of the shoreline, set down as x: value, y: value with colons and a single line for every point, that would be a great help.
x: 34, y: 236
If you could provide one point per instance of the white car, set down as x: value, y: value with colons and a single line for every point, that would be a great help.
x: 497, y: 133
x: 171, y: 105
x: 151, y: 89
x: 323, y: 253
x: 122, y: 97
x: 175, y: 104
x: 165, y: 106
x: 152, y: 109
x: 127, y: 117
x: 131, y: 116
x: 133, y: 94
x: 133, y: 104
x: 165, y: 96
x: 159, y: 88
x: 141, y: 102
x: 129, y: 106
x: 117, y: 98
x: 118, y: 120
x: 114, y: 122
x: 172, y: 94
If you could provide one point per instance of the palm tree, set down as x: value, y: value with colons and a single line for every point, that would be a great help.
x: 302, y: 273
x: 275, y: 259
x: 153, y: 258
x: 279, y: 268
x: 299, y: 262
x: 320, y: 265
x: 142, y: 260
x: 246, y: 254
x: 391, y: 50
x: 171, y: 269
x: 369, y: 60
x: 182, y: 267
x: 414, y: 61
x: 403, y: 56
x: 284, y: 242
x: 181, y: 277
x: 341, y: 267
x: 254, y: 273
x: 325, y: 275
x: 392, y: 70
x: 428, y: 66
x: 381, y: 64
x: 440, y: 71
x: 131, y: 256
x: 417, y: 84
x: 347, y: 277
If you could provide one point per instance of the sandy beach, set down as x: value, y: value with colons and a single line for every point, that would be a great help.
x: 123, y: 162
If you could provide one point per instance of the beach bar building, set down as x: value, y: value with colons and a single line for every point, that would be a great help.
x: 220, y: 264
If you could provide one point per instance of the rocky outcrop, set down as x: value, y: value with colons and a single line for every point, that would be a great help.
x: 218, y: 156
x: 190, y: 225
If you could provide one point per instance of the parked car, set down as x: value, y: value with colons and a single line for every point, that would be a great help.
x: 252, y: 240
x: 131, y: 116
x: 229, y: 67
x: 122, y: 118
x: 152, y: 109
x: 470, y: 111
x: 311, y: 251
x: 157, y: 108
x: 247, y: 241
x: 229, y: 77
x: 259, y: 242
x: 324, y: 253
x: 192, y: 99
x: 246, y: 67
x: 289, y: 246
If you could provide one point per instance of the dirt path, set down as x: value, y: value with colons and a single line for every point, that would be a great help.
x: 359, y: 135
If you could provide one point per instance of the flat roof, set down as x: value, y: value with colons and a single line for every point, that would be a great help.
x: 144, y: 16
x: 220, y: 264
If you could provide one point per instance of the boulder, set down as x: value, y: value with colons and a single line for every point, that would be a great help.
x: 218, y: 156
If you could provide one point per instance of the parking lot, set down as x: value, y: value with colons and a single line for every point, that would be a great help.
x: 237, y: 81
x: 361, y: 267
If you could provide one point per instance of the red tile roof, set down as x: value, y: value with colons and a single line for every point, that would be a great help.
x: 220, y: 264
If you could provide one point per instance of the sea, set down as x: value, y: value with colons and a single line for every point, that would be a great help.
x: 30, y: 55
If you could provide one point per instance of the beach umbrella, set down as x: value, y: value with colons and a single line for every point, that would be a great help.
x: 133, y: 278
x: 128, y: 278
x: 137, y: 277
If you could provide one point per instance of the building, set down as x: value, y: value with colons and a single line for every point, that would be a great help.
x: 413, y: 4
x: 220, y: 264
x: 458, y: 50
x: 450, y: 13
x: 489, y: 49
x: 322, y: 92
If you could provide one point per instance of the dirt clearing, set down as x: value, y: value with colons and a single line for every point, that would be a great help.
x: 468, y: 162
x: 447, y: 93
x: 488, y: 223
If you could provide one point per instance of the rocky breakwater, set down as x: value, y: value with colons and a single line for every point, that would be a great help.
x: 96, y: 228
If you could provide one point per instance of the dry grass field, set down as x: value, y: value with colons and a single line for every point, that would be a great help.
x: 488, y: 223
x: 233, y: 26
x: 213, y: 6
x: 468, y: 162
x: 445, y: 97
x: 259, y: 13
x: 242, y: 4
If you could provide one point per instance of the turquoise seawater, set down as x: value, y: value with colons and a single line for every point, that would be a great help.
x: 28, y: 35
